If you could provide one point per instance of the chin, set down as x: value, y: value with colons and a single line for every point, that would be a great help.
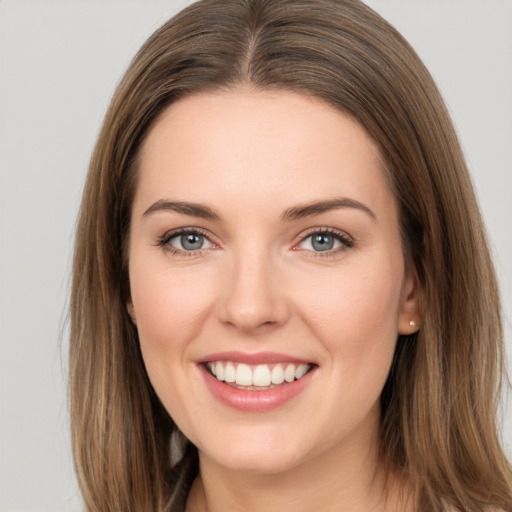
x: 261, y: 453
x: 258, y: 462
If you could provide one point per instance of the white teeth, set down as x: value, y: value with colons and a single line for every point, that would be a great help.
x: 229, y: 373
x: 243, y: 375
x: 277, y: 374
x: 289, y: 373
x: 261, y: 376
x: 301, y: 371
x: 219, y: 371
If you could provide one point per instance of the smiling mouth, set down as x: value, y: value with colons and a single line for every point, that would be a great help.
x: 259, y: 377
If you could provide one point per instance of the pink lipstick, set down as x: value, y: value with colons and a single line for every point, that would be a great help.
x: 255, y: 382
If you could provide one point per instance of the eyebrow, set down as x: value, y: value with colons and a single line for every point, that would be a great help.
x: 194, y: 209
x: 317, y: 207
x: 300, y: 211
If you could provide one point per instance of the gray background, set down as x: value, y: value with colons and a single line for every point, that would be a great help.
x: 59, y: 64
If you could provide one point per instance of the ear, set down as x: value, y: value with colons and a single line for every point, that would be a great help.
x: 409, y: 314
x: 131, y: 311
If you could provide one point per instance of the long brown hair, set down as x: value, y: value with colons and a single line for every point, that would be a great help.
x: 440, y: 401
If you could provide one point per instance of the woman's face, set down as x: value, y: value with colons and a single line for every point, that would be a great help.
x: 265, y: 248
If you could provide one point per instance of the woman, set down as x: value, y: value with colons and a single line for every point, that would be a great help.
x: 282, y: 292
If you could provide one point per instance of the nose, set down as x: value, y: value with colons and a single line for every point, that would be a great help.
x: 254, y: 298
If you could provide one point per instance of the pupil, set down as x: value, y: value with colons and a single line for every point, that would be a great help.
x: 323, y: 242
x: 192, y: 241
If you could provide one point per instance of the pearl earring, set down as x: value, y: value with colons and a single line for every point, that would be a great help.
x: 412, y: 323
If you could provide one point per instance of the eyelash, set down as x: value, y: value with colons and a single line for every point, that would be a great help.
x: 346, y: 241
x: 164, y: 240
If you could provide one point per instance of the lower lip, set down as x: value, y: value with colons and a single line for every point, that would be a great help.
x: 251, y: 400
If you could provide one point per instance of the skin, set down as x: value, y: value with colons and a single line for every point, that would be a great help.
x: 256, y: 286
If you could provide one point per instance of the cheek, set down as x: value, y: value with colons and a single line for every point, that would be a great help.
x: 171, y: 308
x: 170, y: 312
x: 355, y: 314
x: 355, y: 318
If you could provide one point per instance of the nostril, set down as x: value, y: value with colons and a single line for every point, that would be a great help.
x: 250, y: 319
x: 260, y: 314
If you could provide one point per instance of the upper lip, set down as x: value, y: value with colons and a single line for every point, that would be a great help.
x: 252, y: 358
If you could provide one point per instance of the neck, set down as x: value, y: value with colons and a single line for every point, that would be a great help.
x: 343, y: 479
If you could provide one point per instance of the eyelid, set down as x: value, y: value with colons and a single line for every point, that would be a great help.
x: 343, y: 237
x: 163, y: 241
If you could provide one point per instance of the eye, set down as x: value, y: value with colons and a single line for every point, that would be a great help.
x: 189, y: 241
x: 185, y: 241
x: 326, y: 241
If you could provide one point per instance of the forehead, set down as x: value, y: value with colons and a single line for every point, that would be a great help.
x: 259, y: 148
